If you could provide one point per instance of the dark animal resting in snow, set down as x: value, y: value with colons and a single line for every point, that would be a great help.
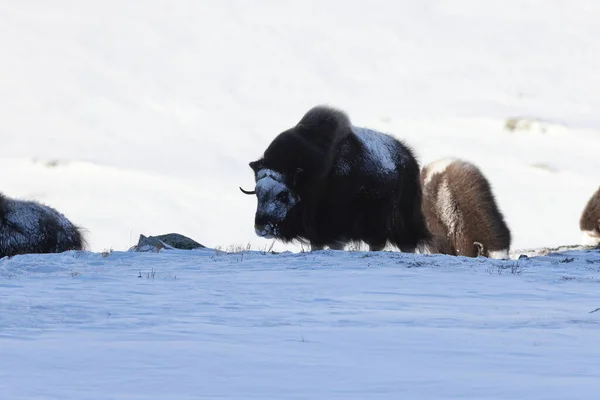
x: 589, y: 223
x: 31, y: 227
x: 166, y: 241
x: 461, y: 210
x: 329, y: 183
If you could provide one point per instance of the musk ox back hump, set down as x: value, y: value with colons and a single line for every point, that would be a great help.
x: 31, y: 227
x: 324, y: 126
x: 589, y: 223
x: 459, y: 205
x: 309, y: 145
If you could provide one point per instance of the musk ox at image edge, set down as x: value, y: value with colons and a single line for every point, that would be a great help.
x: 589, y: 223
x: 32, y: 227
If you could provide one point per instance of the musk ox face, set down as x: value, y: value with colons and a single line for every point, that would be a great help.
x: 276, y: 200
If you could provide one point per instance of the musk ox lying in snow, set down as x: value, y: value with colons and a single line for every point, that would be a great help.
x: 328, y: 183
x: 461, y: 211
x: 31, y: 227
x: 589, y: 223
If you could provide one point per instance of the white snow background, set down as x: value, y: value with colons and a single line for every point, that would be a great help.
x: 141, y: 117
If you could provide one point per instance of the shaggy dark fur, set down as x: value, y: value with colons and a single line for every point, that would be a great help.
x: 329, y: 183
x: 461, y: 210
x: 31, y: 227
x: 589, y: 223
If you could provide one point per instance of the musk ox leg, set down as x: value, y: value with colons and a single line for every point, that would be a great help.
x: 442, y: 245
x: 316, y: 247
x: 438, y: 244
x: 408, y: 248
x: 336, y: 246
x: 376, y: 246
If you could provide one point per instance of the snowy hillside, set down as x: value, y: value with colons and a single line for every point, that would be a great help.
x: 142, y: 119
x: 321, y: 325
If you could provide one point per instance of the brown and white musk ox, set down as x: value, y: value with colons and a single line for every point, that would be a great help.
x: 461, y: 210
x: 328, y: 183
x: 31, y: 227
x: 589, y: 223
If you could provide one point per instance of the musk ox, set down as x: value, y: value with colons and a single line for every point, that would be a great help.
x: 31, y: 227
x: 461, y: 212
x: 589, y: 223
x: 328, y: 183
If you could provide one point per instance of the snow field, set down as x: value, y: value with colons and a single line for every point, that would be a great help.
x: 327, y: 324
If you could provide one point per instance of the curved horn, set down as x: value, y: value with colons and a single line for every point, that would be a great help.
x: 247, y: 191
x: 479, y: 249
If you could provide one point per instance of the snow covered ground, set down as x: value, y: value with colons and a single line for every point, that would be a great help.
x: 203, y: 324
x: 142, y: 119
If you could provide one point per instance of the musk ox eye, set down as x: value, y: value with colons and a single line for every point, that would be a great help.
x: 283, y: 197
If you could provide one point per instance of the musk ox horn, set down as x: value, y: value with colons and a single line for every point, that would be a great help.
x: 247, y: 191
x: 479, y: 249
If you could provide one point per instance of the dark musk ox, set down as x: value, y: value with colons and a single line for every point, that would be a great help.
x: 461, y: 210
x: 328, y: 183
x: 589, y: 223
x: 31, y: 227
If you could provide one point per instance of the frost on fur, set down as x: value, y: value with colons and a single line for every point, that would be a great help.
x: 31, y: 227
